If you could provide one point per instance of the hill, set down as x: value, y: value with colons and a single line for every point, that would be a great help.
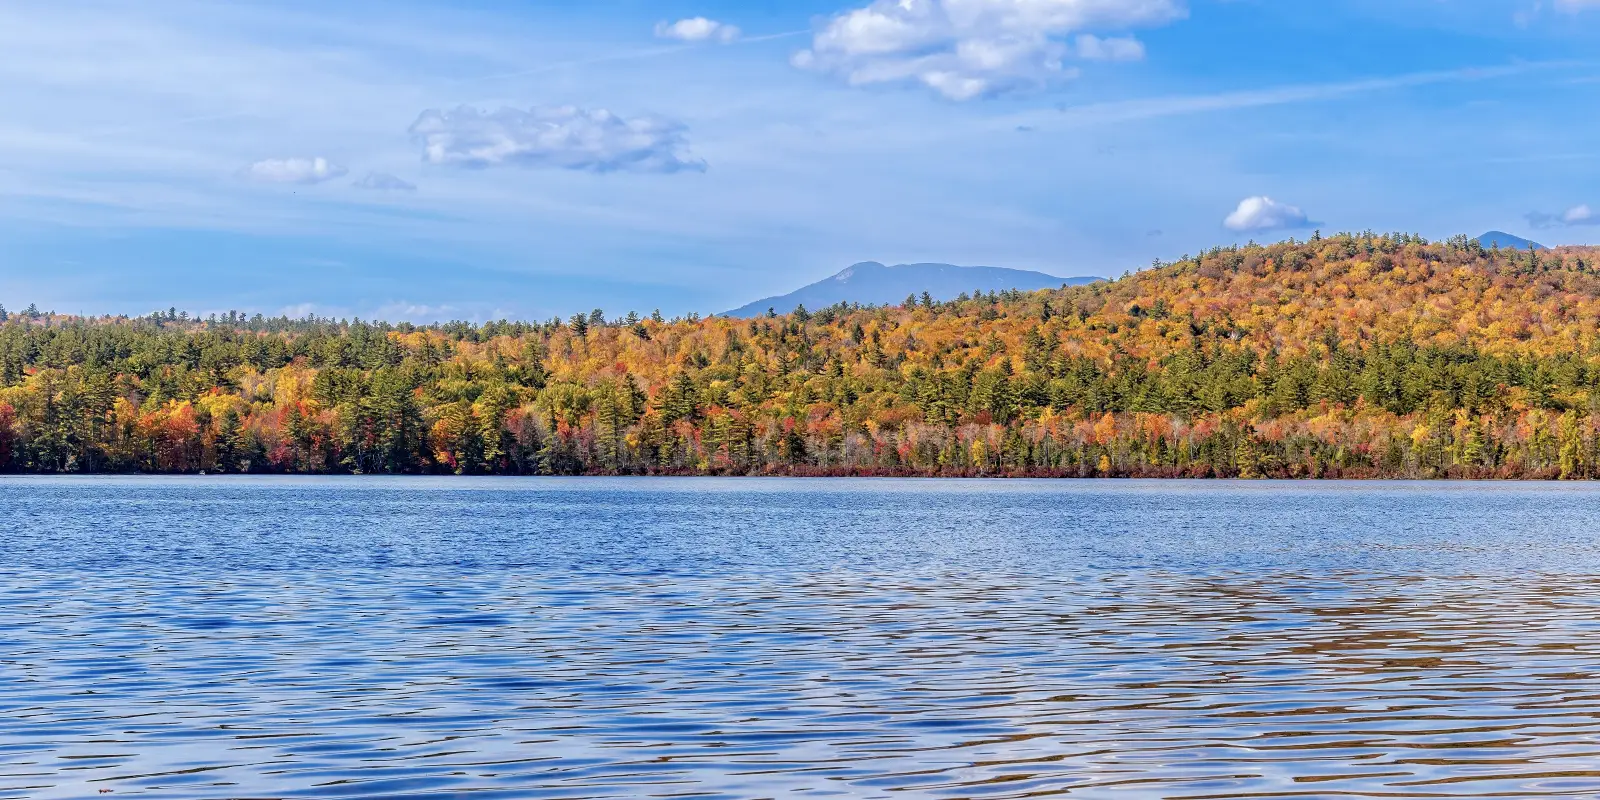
x: 872, y: 284
x: 1348, y: 356
x: 1505, y: 240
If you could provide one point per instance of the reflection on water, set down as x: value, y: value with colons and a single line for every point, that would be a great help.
x: 329, y: 639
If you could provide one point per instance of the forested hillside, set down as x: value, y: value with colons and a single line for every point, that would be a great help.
x: 1356, y: 355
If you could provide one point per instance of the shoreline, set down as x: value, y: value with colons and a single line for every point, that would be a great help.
x: 1351, y: 476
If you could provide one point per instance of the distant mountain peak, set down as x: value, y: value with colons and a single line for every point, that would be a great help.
x: 850, y: 272
x: 1505, y: 241
x: 873, y: 283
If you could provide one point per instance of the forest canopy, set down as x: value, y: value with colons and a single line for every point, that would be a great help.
x: 1357, y: 355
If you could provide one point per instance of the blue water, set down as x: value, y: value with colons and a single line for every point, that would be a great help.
x: 496, y: 638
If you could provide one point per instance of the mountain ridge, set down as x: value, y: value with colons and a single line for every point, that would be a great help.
x: 874, y: 283
x: 1505, y: 240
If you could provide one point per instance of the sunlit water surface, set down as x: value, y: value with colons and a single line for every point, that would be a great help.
x: 231, y: 638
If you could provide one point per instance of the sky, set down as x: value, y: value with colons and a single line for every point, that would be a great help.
x: 485, y: 159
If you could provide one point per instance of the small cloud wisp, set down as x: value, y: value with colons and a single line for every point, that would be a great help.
x: 698, y: 29
x: 564, y: 137
x: 1262, y: 213
x: 1577, y: 216
x: 300, y: 171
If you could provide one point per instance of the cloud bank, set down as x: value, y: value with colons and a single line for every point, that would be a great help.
x: 1117, y: 48
x: 1573, y: 217
x: 384, y: 182
x: 302, y: 171
x: 697, y: 29
x: 565, y: 137
x: 1265, y: 214
x: 964, y: 49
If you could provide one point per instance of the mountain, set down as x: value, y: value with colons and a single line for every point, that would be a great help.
x: 871, y: 283
x: 1505, y: 240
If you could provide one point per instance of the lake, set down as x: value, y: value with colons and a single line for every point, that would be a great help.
x: 505, y: 638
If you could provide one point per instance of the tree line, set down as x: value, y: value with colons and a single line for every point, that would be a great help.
x: 1356, y: 355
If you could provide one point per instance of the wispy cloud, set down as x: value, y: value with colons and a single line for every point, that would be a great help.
x: 1537, y: 158
x: 697, y: 29
x: 1577, y: 216
x: 566, y: 137
x: 1112, y: 48
x: 1120, y: 112
x: 1179, y: 105
x: 303, y: 171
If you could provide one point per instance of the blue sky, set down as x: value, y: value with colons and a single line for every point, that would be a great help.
x: 489, y: 158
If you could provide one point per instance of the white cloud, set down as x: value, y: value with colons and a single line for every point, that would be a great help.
x: 1115, y: 48
x: 298, y: 310
x: 384, y: 182
x: 964, y: 49
x: 1264, y: 214
x: 303, y: 171
x: 565, y: 137
x: 1573, y: 217
x: 415, y: 312
x: 396, y: 311
x: 1574, y: 6
x: 697, y: 29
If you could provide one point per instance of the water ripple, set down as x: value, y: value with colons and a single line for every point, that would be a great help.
x: 172, y: 640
